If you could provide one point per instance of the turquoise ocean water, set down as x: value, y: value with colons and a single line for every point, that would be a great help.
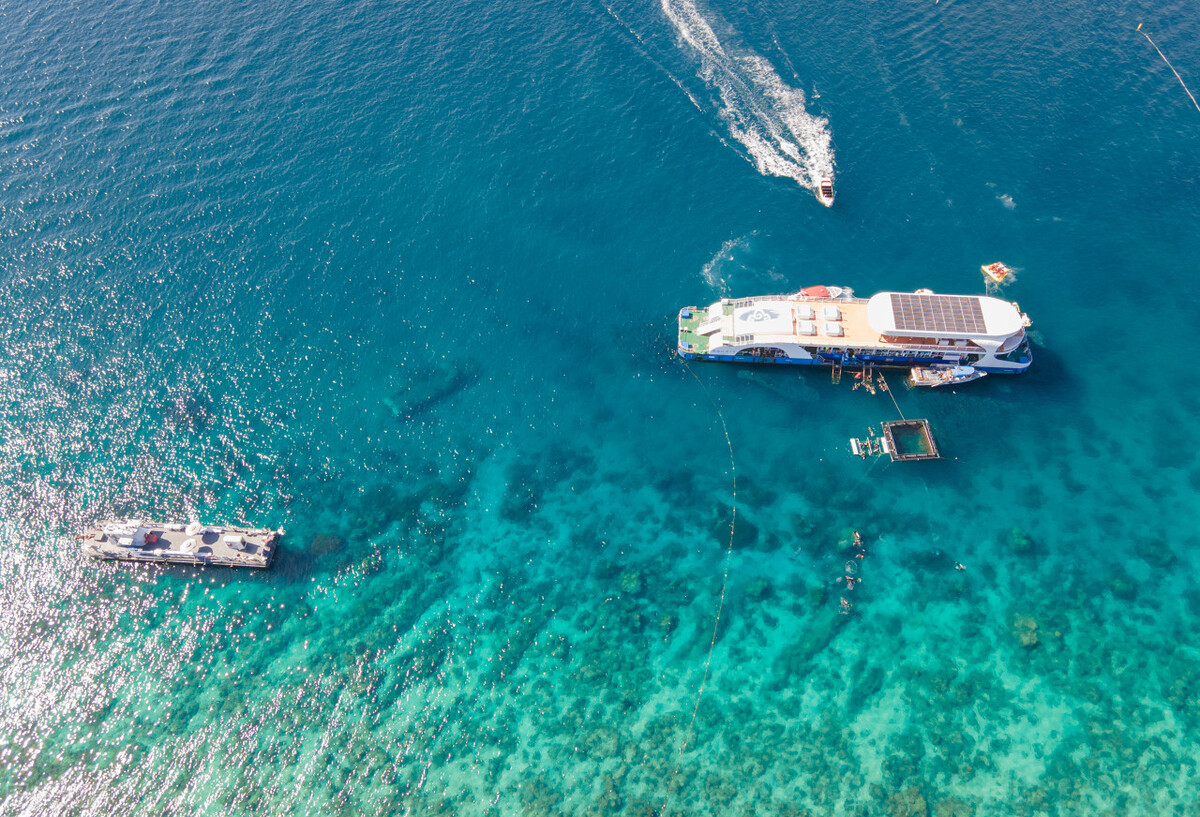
x: 402, y: 278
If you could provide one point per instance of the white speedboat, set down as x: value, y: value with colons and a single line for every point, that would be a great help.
x: 938, y: 376
x: 825, y: 192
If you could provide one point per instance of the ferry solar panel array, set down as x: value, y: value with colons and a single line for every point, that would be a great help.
x: 937, y: 313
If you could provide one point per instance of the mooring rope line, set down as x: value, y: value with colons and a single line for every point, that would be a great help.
x: 887, y: 388
x: 1172, y: 67
x: 712, y: 644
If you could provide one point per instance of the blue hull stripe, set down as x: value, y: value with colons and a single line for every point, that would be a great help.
x: 857, y: 362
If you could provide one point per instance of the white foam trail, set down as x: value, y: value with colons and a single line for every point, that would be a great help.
x: 644, y: 51
x: 994, y: 287
x: 764, y: 114
x: 714, y: 269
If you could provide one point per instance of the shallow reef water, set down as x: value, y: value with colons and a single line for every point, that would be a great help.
x: 403, y: 280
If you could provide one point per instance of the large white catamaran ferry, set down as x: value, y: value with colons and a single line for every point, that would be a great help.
x: 828, y: 326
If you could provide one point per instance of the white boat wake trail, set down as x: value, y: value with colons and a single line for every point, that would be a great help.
x: 764, y: 114
x: 717, y: 272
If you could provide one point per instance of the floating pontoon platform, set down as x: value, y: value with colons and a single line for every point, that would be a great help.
x: 135, y: 540
x: 907, y: 440
x: 902, y: 440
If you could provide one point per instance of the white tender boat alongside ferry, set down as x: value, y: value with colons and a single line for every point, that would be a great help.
x: 934, y: 376
x: 827, y: 326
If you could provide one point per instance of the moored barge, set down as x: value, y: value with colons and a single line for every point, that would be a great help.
x: 828, y: 326
x: 136, y: 540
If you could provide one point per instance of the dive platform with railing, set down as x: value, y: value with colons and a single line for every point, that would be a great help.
x: 136, y: 540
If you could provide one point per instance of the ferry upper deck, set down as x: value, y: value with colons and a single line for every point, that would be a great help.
x: 886, y: 320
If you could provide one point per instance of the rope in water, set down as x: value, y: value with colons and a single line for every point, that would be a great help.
x: 888, y: 389
x: 712, y: 644
x: 1172, y: 67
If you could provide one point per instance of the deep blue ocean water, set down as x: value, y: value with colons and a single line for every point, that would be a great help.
x: 402, y: 278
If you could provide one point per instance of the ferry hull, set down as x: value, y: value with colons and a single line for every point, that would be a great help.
x: 847, y: 362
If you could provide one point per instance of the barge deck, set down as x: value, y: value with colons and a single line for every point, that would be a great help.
x: 136, y: 540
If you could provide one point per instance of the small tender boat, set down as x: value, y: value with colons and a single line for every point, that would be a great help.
x: 825, y: 192
x: 996, y: 272
x: 822, y: 291
x: 942, y: 376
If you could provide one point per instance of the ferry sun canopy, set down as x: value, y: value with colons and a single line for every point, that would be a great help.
x: 942, y: 316
x: 937, y: 313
